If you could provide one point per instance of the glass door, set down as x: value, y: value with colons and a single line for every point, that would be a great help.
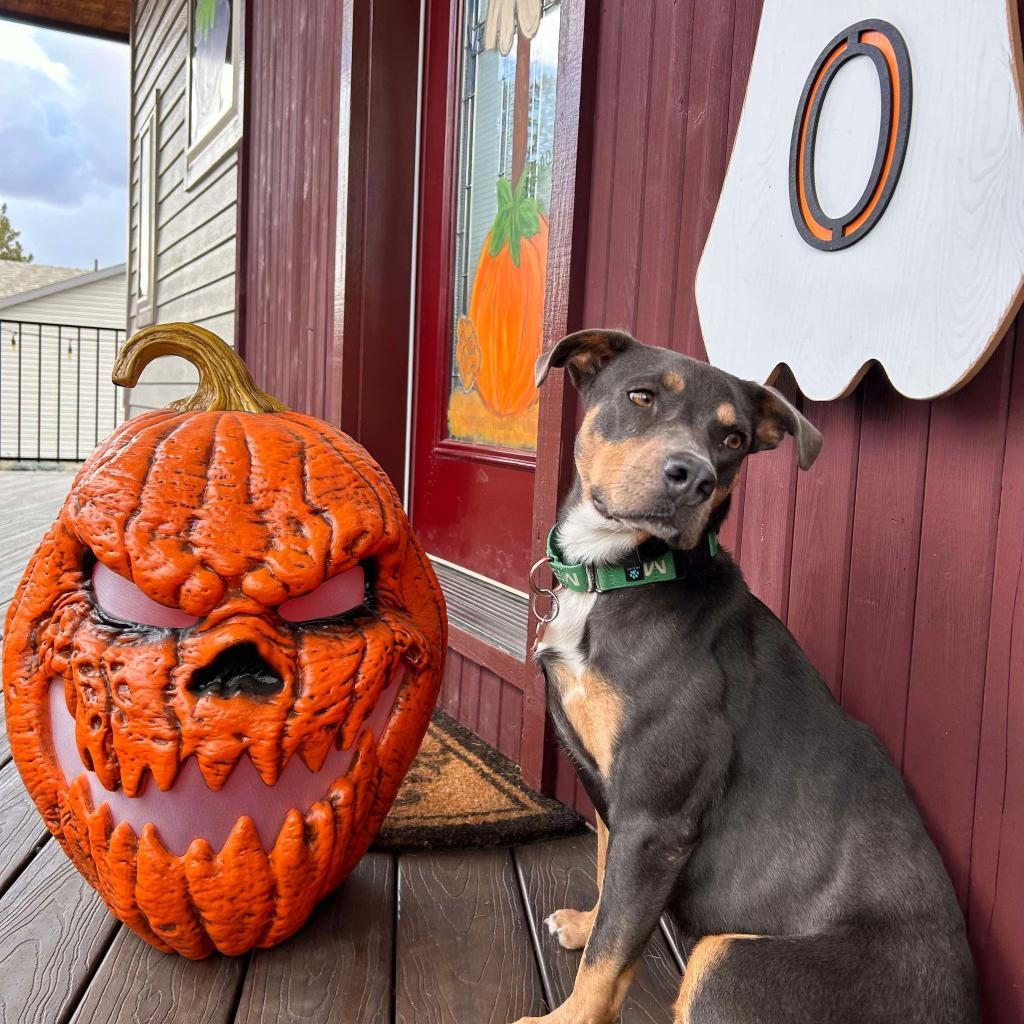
x: 485, y: 188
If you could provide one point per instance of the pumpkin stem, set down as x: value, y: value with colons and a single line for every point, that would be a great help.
x: 225, y: 384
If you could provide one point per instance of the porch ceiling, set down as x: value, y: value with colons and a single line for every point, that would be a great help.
x: 108, y: 18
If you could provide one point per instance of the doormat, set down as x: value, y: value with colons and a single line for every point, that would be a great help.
x: 460, y: 791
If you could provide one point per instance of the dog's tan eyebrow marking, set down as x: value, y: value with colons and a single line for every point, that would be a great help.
x: 726, y: 414
x: 673, y: 381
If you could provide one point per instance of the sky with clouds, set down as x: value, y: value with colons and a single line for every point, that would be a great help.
x: 64, y: 144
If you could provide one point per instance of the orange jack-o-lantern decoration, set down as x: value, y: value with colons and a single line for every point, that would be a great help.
x: 221, y: 659
x: 506, y: 308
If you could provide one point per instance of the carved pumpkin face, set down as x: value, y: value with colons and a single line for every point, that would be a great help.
x: 221, y: 660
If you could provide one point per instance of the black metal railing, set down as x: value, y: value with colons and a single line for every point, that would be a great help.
x: 56, y: 399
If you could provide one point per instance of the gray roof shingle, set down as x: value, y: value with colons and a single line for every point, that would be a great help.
x: 18, y: 277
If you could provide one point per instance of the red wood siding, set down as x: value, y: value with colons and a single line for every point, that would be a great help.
x: 897, y: 561
x: 289, y: 197
x: 483, y: 702
x: 324, y: 300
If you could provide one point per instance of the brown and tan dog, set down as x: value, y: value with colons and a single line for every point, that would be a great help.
x: 739, y: 797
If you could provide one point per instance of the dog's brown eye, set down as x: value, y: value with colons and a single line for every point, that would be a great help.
x: 641, y: 397
x: 733, y: 441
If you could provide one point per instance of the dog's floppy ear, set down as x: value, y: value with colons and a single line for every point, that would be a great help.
x: 775, y: 416
x: 584, y: 354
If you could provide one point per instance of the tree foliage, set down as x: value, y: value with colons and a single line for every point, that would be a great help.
x: 10, y: 247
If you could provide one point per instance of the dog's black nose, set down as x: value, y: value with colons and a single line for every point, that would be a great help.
x: 689, y: 479
x: 238, y: 669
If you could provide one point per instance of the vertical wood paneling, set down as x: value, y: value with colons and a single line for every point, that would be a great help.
x: 565, y: 781
x: 822, y: 534
x: 602, y: 183
x: 367, y: 375
x: 290, y: 188
x: 510, y: 726
x: 482, y: 701
x: 996, y: 898
x: 628, y: 164
x: 766, y: 537
x: 489, y: 711
x: 662, y: 197
x: 704, y: 160
x: 469, y: 694
x: 954, y: 595
x: 883, y: 560
x: 449, y: 699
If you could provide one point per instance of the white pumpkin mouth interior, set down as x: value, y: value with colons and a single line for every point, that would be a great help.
x: 190, y: 810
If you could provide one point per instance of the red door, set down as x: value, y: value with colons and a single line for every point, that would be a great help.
x: 485, y: 185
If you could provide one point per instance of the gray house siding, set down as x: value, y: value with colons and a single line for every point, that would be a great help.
x: 57, y: 349
x: 194, y: 241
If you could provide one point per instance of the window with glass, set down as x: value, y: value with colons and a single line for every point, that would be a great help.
x: 506, y: 143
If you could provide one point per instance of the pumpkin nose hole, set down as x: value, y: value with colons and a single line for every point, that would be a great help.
x: 237, y: 669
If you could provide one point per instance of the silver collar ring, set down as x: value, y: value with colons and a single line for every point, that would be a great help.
x: 539, y: 591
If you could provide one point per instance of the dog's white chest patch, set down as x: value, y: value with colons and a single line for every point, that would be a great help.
x: 563, y: 636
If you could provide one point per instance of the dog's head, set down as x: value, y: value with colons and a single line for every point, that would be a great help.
x: 664, y: 436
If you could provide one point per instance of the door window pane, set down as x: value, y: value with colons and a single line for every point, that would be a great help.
x: 506, y: 142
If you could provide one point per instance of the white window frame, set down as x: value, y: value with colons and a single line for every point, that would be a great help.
x: 223, y: 136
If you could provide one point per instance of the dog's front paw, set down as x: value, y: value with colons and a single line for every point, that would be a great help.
x: 571, y: 927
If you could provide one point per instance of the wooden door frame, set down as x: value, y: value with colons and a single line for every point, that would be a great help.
x: 368, y: 372
x: 564, y: 291
x: 567, y: 244
x: 355, y: 316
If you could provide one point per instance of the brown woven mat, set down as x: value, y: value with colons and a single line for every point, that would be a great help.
x: 460, y: 791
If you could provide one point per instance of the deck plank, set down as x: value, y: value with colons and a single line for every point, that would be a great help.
x: 21, y: 828
x: 463, y: 951
x: 54, y: 929
x: 137, y: 984
x: 339, y: 966
x: 561, y: 874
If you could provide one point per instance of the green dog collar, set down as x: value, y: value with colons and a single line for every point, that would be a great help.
x: 589, y: 579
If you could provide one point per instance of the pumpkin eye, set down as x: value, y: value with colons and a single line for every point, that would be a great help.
x: 734, y: 441
x: 343, y: 593
x: 120, y: 599
x: 641, y: 397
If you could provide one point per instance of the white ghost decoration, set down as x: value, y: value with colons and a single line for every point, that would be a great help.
x: 873, y: 208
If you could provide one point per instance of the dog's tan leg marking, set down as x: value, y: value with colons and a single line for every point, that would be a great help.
x: 597, y: 996
x: 706, y: 954
x: 573, y: 927
x: 594, y: 709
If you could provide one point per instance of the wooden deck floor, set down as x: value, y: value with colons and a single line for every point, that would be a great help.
x: 431, y: 938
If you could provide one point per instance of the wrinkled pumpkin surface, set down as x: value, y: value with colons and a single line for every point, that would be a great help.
x: 224, y: 515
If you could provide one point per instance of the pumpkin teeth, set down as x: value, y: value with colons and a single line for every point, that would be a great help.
x: 194, y: 808
x: 265, y: 756
x: 215, y: 765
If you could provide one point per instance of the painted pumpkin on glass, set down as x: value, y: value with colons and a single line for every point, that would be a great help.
x: 506, y: 308
x: 221, y: 660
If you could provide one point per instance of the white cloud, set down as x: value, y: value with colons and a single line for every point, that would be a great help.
x: 64, y: 113
x: 18, y: 47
